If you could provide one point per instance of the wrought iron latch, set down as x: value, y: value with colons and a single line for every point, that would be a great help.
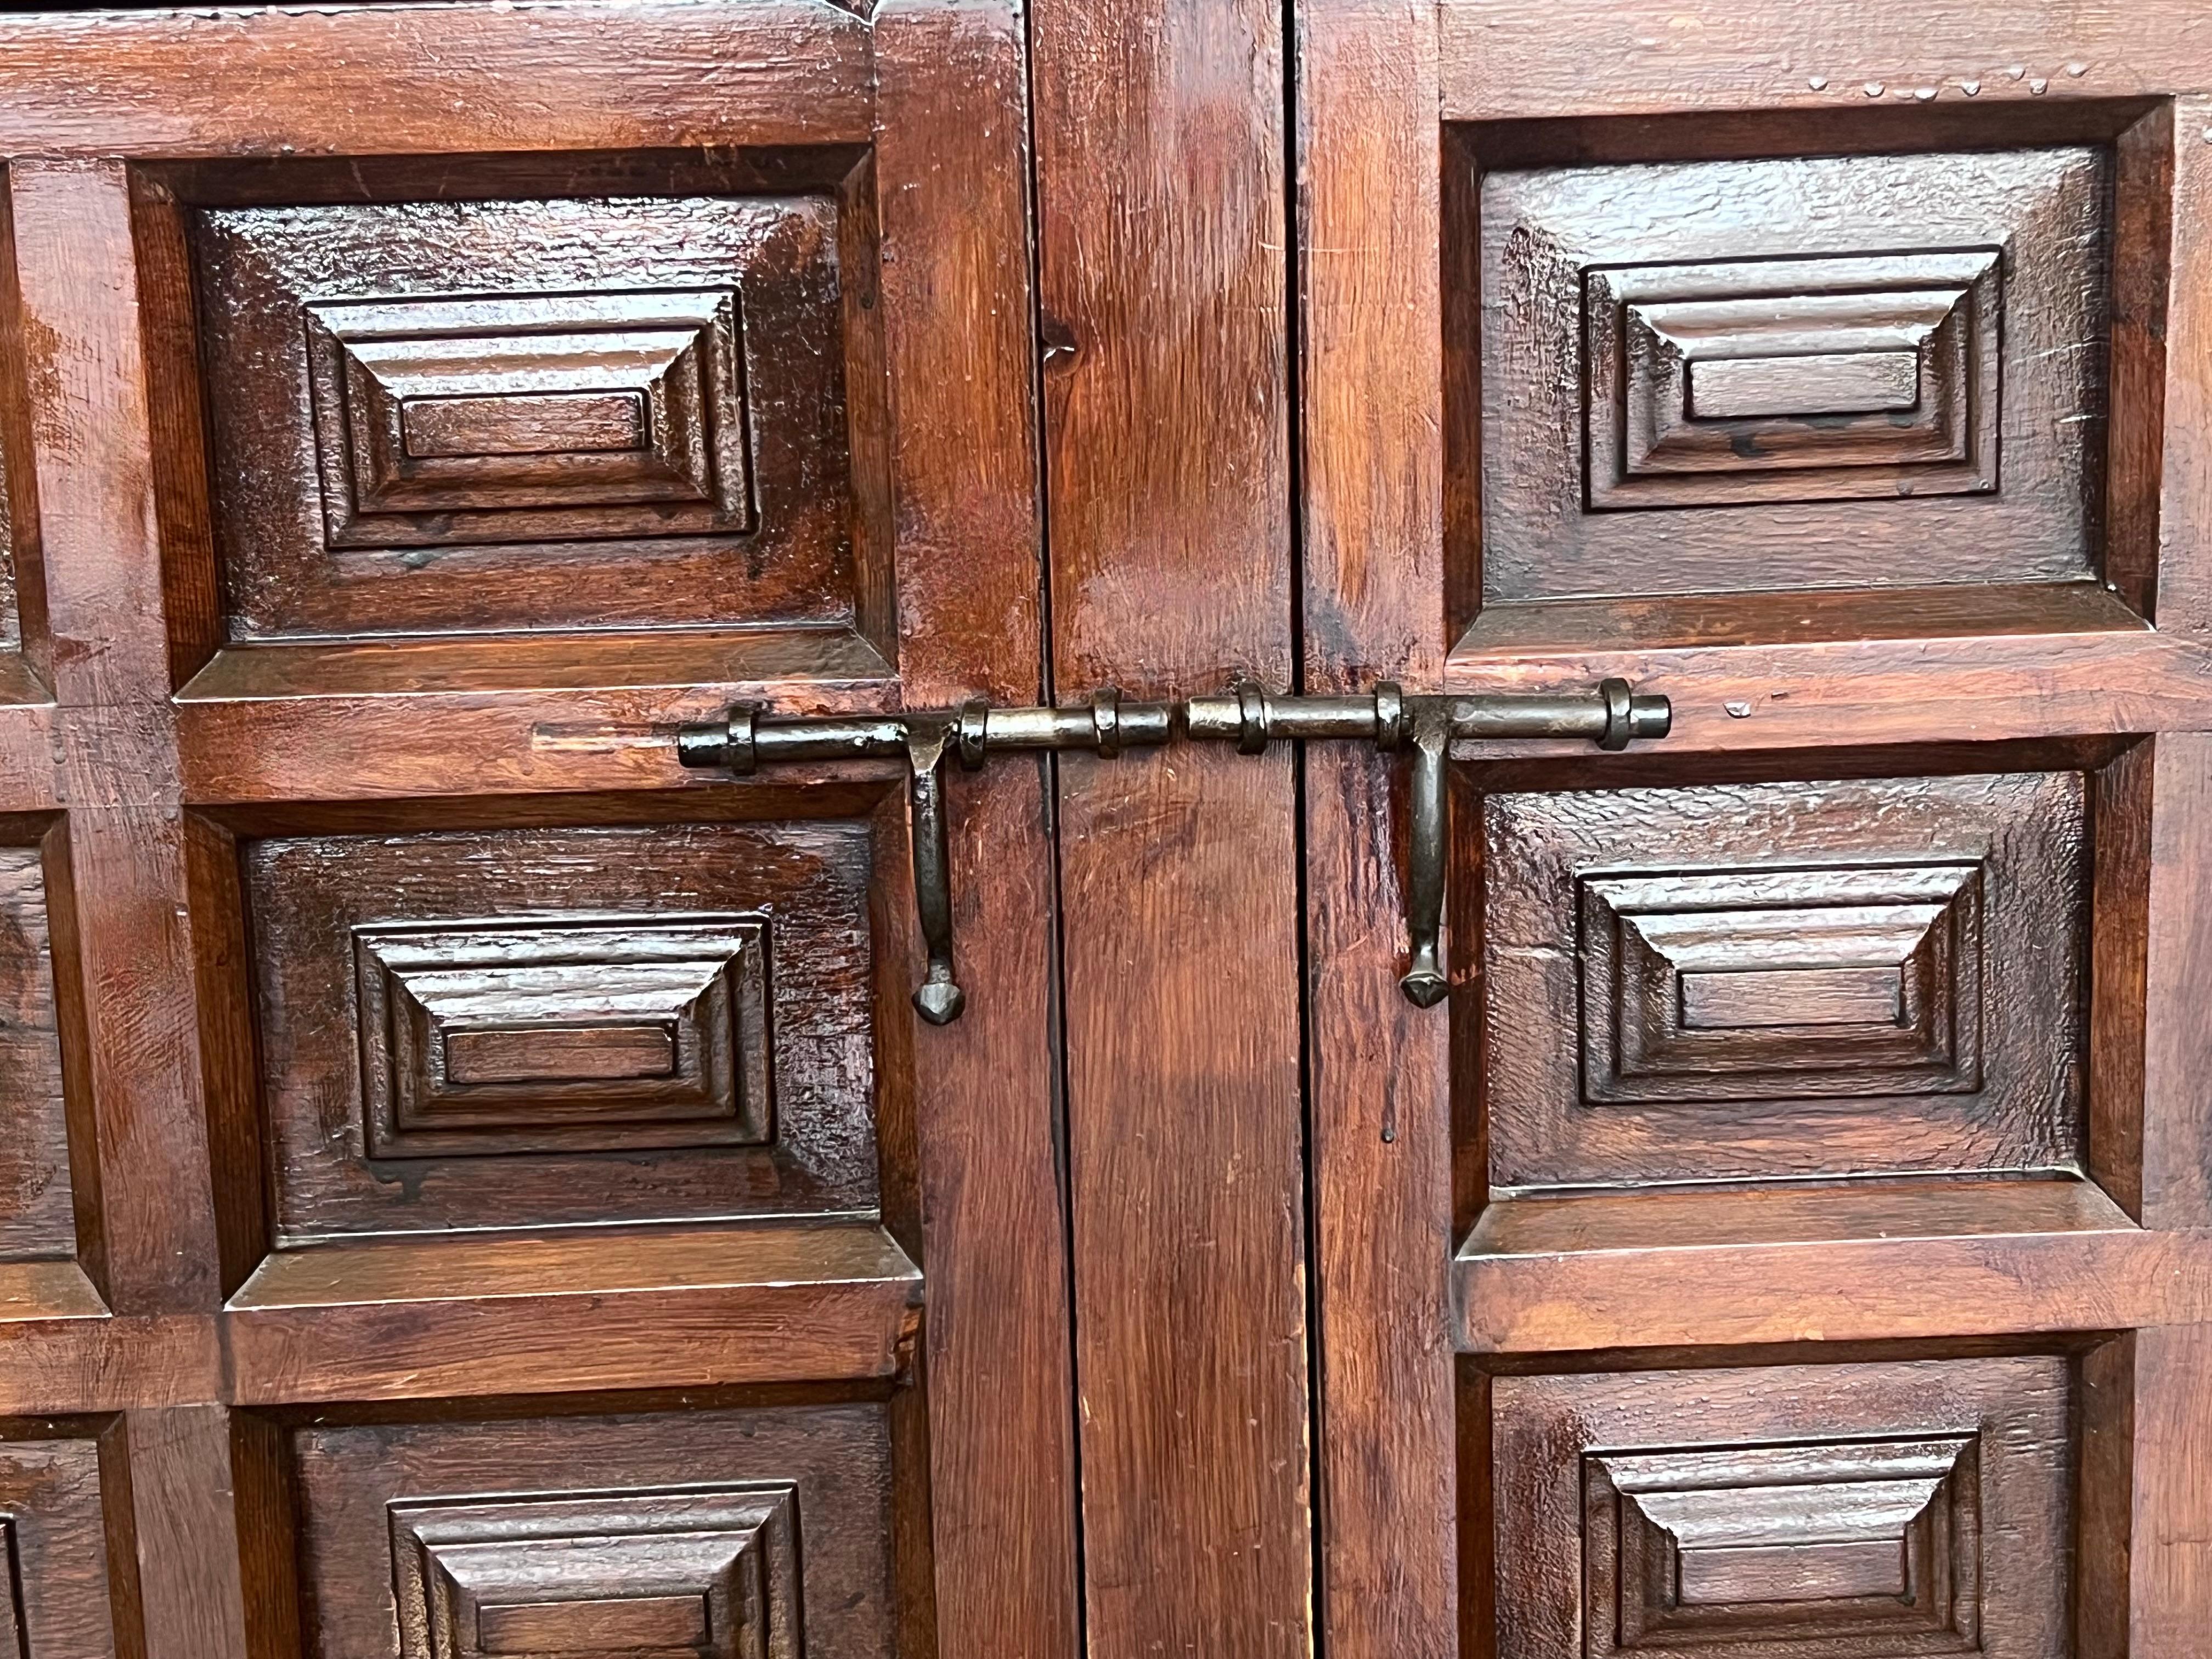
x: 746, y: 739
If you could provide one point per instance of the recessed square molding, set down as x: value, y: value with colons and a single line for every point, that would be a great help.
x: 688, y: 1572
x: 1788, y: 380
x: 1873, y: 1546
x: 1904, y: 1509
x: 1784, y: 981
x: 1770, y: 984
x: 510, y: 418
x: 563, y: 1035
x: 1753, y: 377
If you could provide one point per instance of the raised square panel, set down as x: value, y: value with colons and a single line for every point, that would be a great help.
x: 579, y: 1036
x: 1872, y: 1512
x: 536, y: 418
x: 687, y: 1572
x: 1694, y: 1548
x: 547, y: 1026
x: 1806, y: 380
x: 458, y: 416
x: 36, y: 1205
x: 761, y: 1533
x: 1757, y: 984
x: 55, y: 1597
x: 1727, y: 377
x: 1759, y: 981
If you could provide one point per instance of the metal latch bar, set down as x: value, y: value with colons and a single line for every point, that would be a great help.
x: 1612, y: 716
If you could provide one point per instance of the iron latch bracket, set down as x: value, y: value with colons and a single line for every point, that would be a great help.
x: 1612, y: 716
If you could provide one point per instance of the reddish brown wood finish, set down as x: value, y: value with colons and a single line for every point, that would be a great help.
x: 1374, y: 607
x: 1162, y: 207
x: 183, y: 868
x: 1420, y: 420
x: 1929, y: 1464
x: 311, y: 935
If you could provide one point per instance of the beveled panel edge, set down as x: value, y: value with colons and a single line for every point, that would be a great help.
x: 346, y: 722
x: 575, y: 1311
x: 1902, y: 1260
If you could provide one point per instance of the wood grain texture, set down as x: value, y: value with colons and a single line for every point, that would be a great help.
x: 958, y: 310
x: 1762, y: 685
x: 1502, y: 58
x: 1162, y: 216
x: 283, y: 739
x: 529, y: 77
x: 60, y: 1597
x: 1162, y: 210
x: 191, y: 1578
x: 1768, y: 1456
x: 22, y: 588
x: 1604, y: 913
x: 37, y: 1209
x: 1658, y: 1269
x: 382, y: 1506
x: 92, y: 444
x: 1368, y: 163
x: 128, y: 883
x: 1371, y: 360
x: 342, y: 923
x: 721, y: 315
x: 2176, y: 1173
x: 399, y: 721
x: 2178, y: 166
x: 1797, y: 697
x: 1184, y: 1148
x: 391, y: 1319
x: 1382, y: 1157
x: 1605, y: 290
x: 2145, y: 1565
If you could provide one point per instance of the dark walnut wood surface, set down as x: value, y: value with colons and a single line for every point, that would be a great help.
x: 473, y: 1186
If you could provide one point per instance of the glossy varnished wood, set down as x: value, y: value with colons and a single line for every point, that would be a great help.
x: 901, y: 137
x: 1785, y: 1464
x: 958, y: 309
x: 1619, y: 926
x: 1502, y: 58
x: 347, y: 922
x: 1369, y: 284
x: 1765, y: 685
x: 1162, y: 210
x: 474, y: 78
x: 394, y: 1320
x: 1658, y: 1269
x: 549, y: 1500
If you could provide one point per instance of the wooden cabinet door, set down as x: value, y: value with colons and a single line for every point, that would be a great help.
x: 1791, y: 1238
x: 473, y: 1187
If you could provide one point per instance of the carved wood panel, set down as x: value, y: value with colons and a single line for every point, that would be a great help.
x: 1793, y: 379
x: 37, y: 1188
x: 1864, y: 1511
x: 547, y: 1025
x: 1758, y: 984
x: 689, y: 1572
x: 756, y: 1533
x: 1814, y: 371
x: 57, y: 1599
x: 577, y: 1035
x: 1770, y: 980
x: 453, y: 416
x: 553, y: 418
x: 1806, y: 1545
x: 419, y: 413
